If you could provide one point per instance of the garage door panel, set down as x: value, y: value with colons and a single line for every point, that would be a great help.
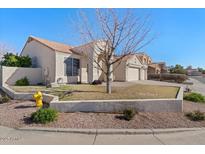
x: 133, y: 74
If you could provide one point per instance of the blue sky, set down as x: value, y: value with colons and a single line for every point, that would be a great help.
x: 180, y: 32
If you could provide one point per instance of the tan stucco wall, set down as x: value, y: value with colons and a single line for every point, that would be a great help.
x: 45, y: 58
x: 84, y: 69
x: 89, y: 69
x: 60, y: 67
x: 11, y: 74
x: 119, y: 71
x: 97, y: 72
x: 143, y: 74
x: 86, y: 52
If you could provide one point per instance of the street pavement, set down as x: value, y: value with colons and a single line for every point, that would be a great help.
x: 14, y: 136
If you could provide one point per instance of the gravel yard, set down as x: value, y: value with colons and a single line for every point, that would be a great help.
x: 16, y: 113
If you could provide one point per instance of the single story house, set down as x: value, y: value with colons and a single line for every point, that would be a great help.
x: 61, y: 63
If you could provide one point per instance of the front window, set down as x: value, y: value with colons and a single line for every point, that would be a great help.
x: 72, y: 66
x: 34, y: 62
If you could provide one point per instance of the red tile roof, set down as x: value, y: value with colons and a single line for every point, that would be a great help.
x: 53, y: 45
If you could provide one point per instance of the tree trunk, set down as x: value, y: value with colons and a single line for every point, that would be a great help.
x: 108, y: 81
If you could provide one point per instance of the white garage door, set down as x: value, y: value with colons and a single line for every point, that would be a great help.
x: 133, y: 74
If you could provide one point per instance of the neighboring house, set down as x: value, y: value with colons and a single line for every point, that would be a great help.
x: 153, y: 67
x: 130, y: 68
x: 193, y: 71
x: 157, y: 68
x: 61, y: 63
x: 144, y: 58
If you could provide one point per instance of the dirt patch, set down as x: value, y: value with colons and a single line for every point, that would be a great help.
x: 17, y: 113
x: 12, y: 114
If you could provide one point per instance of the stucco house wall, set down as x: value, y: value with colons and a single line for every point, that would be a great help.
x: 119, y: 71
x: 89, y: 68
x: 86, y: 62
x: 43, y: 56
x: 61, y: 66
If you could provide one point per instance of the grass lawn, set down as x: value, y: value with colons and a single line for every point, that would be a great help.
x: 92, y: 92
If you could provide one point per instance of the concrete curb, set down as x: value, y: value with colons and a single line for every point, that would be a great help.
x: 111, y: 131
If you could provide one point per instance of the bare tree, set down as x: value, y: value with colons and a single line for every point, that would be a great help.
x: 122, y: 35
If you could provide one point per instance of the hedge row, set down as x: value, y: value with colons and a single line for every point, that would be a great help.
x: 179, y: 78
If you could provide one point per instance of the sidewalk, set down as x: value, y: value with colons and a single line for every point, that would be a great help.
x: 13, y: 136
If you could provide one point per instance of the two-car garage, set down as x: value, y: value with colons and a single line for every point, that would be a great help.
x: 130, y: 69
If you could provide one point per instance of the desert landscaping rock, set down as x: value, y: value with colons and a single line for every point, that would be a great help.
x: 16, y: 114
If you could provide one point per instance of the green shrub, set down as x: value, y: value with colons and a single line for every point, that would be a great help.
x: 178, y: 69
x: 11, y: 59
x: 196, y: 116
x: 4, y: 99
x: 194, y: 97
x: 129, y: 114
x: 44, y: 116
x: 22, y: 82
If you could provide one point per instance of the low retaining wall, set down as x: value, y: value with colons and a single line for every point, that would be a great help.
x: 157, y: 105
x: 142, y: 105
x: 26, y: 96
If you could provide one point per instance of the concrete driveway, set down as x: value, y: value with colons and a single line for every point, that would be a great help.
x: 13, y: 136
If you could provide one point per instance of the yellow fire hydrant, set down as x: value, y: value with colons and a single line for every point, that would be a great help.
x: 38, y: 97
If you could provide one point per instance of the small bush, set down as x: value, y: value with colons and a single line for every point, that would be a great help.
x: 4, y: 99
x: 129, y: 114
x: 44, y: 116
x: 22, y: 82
x: 196, y: 116
x: 96, y: 82
x: 194, y: 97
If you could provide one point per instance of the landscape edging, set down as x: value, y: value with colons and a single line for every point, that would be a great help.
x: 26, y: 96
